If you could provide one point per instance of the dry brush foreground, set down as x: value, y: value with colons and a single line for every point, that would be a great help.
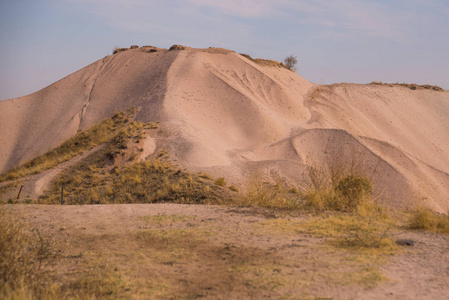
x: 175, y: 251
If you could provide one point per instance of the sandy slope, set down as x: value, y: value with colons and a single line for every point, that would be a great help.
x: 225, y: 114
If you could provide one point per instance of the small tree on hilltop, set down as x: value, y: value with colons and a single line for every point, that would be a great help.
x: 291, y: 61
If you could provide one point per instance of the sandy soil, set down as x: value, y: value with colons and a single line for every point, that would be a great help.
x: 211, y: 252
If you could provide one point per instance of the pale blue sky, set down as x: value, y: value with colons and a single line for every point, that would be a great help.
x: 335, y: 40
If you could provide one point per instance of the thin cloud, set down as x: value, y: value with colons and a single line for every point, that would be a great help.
x: 395, y: 20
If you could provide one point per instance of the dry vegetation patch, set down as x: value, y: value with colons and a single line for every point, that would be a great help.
x: 424, y: 219
x: 24, y: 254
x: 411, y: 86
x: 105, y: 131
x: 266, y: 62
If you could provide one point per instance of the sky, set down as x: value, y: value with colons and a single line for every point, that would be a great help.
x: 357, y: 41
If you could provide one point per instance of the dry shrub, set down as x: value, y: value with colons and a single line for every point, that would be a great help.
x: 118, y: 49
x: 22, y: 256
x: 425, y: 219
x: 369, y: 228
x: 338, y: 187
x: 220, y: 181
x: 291, y: 61
x: 348, y: 190
x: 262, y: 194
x: 177, y: 47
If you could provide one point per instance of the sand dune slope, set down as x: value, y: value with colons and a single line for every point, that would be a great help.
x: 226, y: 114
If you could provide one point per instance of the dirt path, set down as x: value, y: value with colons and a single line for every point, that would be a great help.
x: 35, y: 185
x: 172, y: 251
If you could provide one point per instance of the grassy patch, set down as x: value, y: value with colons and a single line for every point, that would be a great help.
x: 261, y: 194
x: 220, y: 181
x: 205, y: 176
x: 424, y: 219
x: 356, y: 245
x: 23, y: 256
x: 111, y: 174
x: 106, y: 131
x: 145, y: 182
x: 366, y: 229
x: 97, y: 280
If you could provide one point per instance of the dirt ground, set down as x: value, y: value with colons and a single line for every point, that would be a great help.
x: 171, y: 251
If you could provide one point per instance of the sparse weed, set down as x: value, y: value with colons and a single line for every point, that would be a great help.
x: 261, y: 194
x: 205, y: 176
x: 220, y: 181
x: 234, y: 188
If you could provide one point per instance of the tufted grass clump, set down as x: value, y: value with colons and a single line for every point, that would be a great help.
x: 337, y: 188
x: 263, y: 194
x: 425, y: 219
x: 220, y: 181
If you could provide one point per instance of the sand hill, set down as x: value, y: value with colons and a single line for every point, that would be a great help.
x: 225, y: 114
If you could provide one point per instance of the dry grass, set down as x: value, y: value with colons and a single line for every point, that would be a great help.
x: 152, y: 181
x: 337, y: 187
x: 205, y: 176
x: 234, y: 188
x: 23, y: 255
x: 220, y: 181
x: 98, y: 134
x: 261, y: 194
x: 424, y: 219
x: 266, y: 62
x: 341, y: 198
x: 112, y: 173
x: 118, y: 49
x: 411, y: 86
